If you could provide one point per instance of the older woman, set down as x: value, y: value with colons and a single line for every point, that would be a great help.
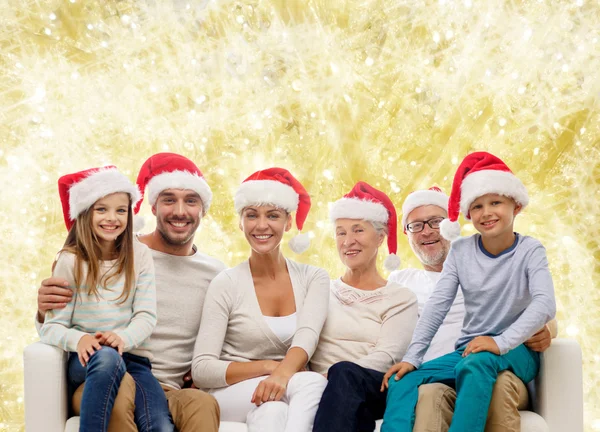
x: 262, y: 319
x: 370, y: 320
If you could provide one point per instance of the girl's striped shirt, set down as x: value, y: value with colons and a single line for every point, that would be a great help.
x: 133, y: 320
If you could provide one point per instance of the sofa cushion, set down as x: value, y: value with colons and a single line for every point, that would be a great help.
x: 72, y: 424
x: 530, y: 422
x: 232, y: 427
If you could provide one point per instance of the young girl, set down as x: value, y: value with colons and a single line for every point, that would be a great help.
x: 106, y: 326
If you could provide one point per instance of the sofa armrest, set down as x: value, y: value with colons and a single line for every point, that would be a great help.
x: 45, y: 388
x: 559, y: 387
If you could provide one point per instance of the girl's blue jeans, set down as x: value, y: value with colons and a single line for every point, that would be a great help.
x: 103, y: 375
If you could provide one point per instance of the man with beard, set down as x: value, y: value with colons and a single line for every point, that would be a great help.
x: 422, y: 213
x: 180, y: 197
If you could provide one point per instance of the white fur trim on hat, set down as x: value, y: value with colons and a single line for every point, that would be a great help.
x: 352, y: 208
x: 422, y: 198
x: 106, y: 181
x: 265, y: 192
x: 179, y: 180
x: 491, y: 182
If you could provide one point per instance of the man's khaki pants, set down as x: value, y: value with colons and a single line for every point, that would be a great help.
x: 192, y: 410
x: 436, y: 405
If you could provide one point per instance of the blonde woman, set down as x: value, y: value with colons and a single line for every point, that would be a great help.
x: 262, y: 319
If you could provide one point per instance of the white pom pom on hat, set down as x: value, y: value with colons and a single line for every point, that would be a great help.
x: 450, y: 230
x: 300, y: 243
x: 392, y: 262
x: 139, y: 222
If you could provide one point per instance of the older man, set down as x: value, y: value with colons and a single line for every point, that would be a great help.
x: 180, y: 197
x: 422, y: 213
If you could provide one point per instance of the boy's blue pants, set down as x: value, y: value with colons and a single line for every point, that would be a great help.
x: 472, y: 376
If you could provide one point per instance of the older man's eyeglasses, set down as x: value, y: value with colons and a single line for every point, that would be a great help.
x: 415, y: 227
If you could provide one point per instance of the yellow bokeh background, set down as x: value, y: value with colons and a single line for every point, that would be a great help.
x: 395, y: 93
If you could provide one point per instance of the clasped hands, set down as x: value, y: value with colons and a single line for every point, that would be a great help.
x: 89, y: 344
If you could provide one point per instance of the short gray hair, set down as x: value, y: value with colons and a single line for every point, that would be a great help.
x: 380, y: 227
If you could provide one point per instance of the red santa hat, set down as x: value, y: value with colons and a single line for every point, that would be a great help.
x: 80, y: 190
x: 171, y: 171
x: 432, y: 196
x: 276, y: 186
x: 480, y: 173
x: 367, y: 203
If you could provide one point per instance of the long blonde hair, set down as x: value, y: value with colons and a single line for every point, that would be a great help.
x: 83, y: 243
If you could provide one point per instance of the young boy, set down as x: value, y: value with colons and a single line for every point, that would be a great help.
x: 508, y: 294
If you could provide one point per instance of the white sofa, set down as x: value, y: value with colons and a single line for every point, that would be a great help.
x: 557, y: 393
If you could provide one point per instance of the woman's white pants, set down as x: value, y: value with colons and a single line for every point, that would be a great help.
x: 295, y: 412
